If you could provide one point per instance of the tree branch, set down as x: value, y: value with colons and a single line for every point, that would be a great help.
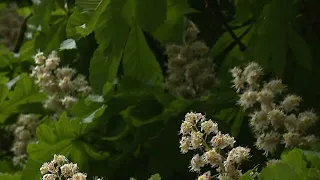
x: 215, y: 11
x: 20, y: 39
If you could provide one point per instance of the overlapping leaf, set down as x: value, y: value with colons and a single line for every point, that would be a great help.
x: 271, y: 40
x: 62, y: 137
x: 172, y: 29
x: 103, y: 68
x: 42, y: 14
x: 51, y: 40
x: 293, y: 166
x: 24, y: 92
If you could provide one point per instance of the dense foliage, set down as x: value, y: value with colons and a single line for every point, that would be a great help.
x: 110, y: 88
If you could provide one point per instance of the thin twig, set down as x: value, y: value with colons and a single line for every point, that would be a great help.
x: 215, y: 11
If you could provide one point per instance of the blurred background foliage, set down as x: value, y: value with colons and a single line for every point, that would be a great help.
x: 119, y: 45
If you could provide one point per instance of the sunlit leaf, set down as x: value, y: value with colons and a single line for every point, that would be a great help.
x: 68, y: 44
x: 88, y: 5
x: 6, y: 176
x: 24, y: 91
x: 42, y: 14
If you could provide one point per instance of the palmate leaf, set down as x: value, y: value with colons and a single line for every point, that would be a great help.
x: 24, y: 92
x: 139, y: 61
x: 294, y: 165
x: 280, y: 171
x: 61, y: 137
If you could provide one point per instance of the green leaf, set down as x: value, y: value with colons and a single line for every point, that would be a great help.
x: 24, y: 92
x: 60, y: 140
x: 82, y: 109
x: 6, y: 58
x: 118, y: 135
x: 12, y: 82
x: 97, y: 113
x: 6, y: 176
x: 97, y: 10
x: 27, y: 50
x: 279, y: 52
x: 42, y: 14
x: 314, y: 173
x: 68, y: 44
x: 243, y: 10
x: 3, y: 93
x: 313, y: 157
x: 226, y: 40
x: 300, y: 49
x: 237, y: 123
x: 292, y: 167
x: 103, y: 68
x: 249, y: 175
x: 279, y: 171
x: 139, y: 61
x: 88, y: 5
x: 150, y: 14
x: 271, y: 40
x: 172, y: 29
x: 155, y: 177
x: 246, y: 177
x: 295, y: 159
x: 76, y: 20
x: 112, y: 28
x: 107, y: 90
x: 6, y: 166
x: 51, y: 40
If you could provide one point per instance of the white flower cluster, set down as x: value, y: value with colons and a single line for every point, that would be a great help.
x: 58, y: 82
x: 61, y: 168
x: 196, y: 131
x: 24, y: 133
x: 190, y: 71
x: 274, y: 122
